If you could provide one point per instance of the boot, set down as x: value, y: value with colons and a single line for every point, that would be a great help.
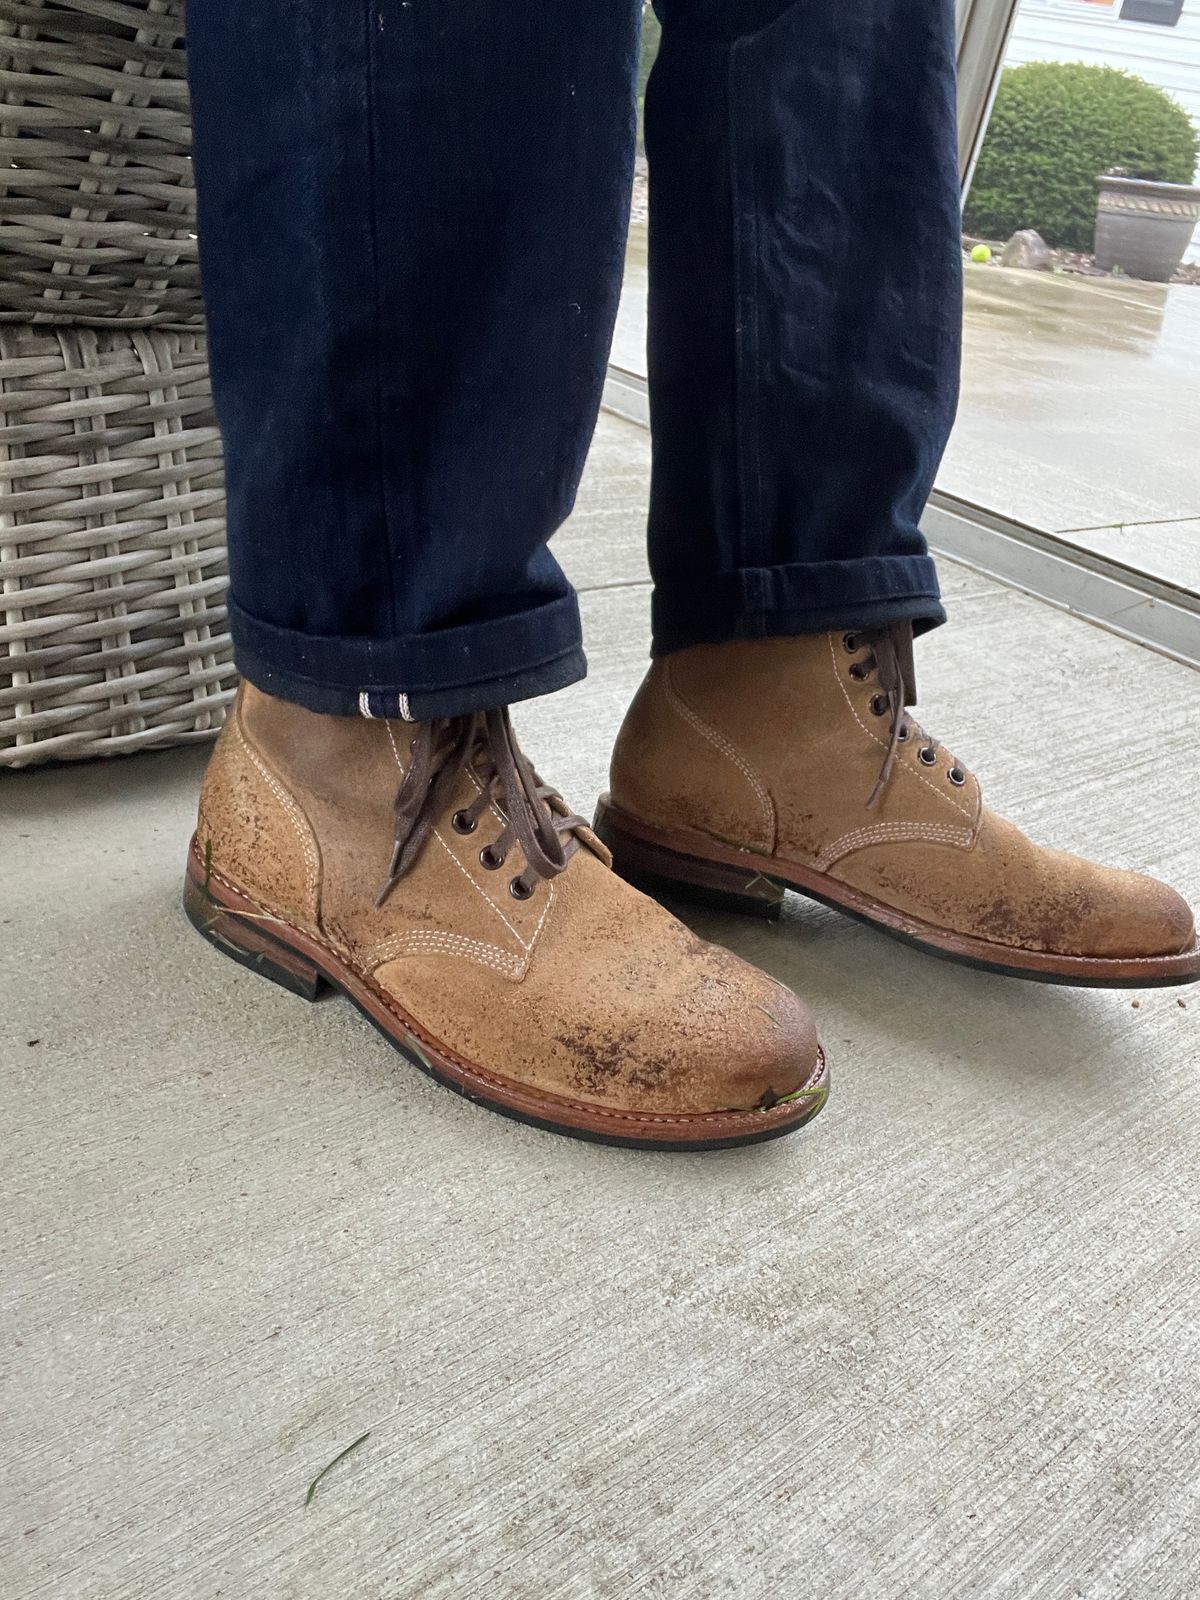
x: 746, y: 769
x: 425, y: 871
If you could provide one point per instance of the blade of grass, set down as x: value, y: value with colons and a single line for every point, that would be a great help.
x: 341, y: 1456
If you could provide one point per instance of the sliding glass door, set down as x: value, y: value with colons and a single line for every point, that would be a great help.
x: 1074, y: 470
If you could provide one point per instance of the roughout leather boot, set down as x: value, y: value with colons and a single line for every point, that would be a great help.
x: 744, y: 769
x: 425, y: 871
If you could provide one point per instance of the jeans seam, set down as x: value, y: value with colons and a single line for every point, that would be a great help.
x: 369, y: 10
x: 745, y: 332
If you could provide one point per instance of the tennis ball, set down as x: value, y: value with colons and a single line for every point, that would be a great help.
x: 981, y: 252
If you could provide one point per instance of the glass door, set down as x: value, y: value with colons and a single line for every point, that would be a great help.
x: 1074, y: 469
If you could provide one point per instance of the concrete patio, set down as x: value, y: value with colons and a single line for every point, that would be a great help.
x: 942, y: 1344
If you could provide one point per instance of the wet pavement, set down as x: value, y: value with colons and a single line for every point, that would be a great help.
x: 1079, y: 411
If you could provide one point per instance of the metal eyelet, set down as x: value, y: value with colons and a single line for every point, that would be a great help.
x: 520, y: 890
x: 903, y: 734
x: 850, y: 642
x: 462, y: 823
x: 927, y: 756
x: 858, y: 672
x: 879, y: 705
x: 489, y: 859
x: 957, y: 777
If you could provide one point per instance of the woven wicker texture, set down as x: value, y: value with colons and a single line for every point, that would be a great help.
x: 113, y: 631
x: 97, y: 208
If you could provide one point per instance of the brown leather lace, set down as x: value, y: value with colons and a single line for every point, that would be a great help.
x: 484, y: 745
x: 891, y: 659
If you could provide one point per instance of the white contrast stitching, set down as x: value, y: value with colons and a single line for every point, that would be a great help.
x: 499, y: 816
x: 364, y: 704
x: 893, y: 832
x: 882, y: 743
x: 422, y: 941
x: 722, y: 744
x: 478, y: 888
x: 290, y: 810
x: 405, y: 714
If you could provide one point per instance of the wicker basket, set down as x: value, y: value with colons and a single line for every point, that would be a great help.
x: 97, y: 208
x: 113, y: 631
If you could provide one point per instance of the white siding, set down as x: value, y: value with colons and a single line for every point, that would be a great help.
x: 1070, y: 30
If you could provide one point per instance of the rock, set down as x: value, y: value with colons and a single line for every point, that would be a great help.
x: 1029, y: 250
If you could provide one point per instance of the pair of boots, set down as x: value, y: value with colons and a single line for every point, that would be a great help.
x: 427, y: 872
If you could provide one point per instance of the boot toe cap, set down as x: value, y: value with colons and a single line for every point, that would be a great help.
x: 756, y: 1046
x: 1145, y: 918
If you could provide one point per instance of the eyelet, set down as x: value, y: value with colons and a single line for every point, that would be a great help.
x: 520, y: 890
x: 879, y: 705
x: 462, y: 823
x: 850, y: 642
x: 957, y: 777
x: 489, y: 859
x: 858, y: 671
x: 926, y: 756
x: 903, y: 734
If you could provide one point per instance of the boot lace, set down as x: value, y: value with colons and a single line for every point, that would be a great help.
x: 484, y: 745
x: 889, y: 660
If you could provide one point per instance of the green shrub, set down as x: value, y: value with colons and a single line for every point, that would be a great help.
x: 651, y: 35
x: 651, y: 38
x: 1055, y: 128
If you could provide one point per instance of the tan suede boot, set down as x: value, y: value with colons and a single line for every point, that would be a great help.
x: 425, y: 871
x: 742, y: 769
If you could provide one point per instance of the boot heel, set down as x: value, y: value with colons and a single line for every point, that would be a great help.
x: 663, y: 872
x: 247, y: 941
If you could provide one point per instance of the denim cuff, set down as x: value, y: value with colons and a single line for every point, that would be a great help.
x: 769, y: 602
x: 440, y: 674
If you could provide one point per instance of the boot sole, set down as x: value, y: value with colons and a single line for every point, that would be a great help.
x: 663, y: 863
x: 240, y: 928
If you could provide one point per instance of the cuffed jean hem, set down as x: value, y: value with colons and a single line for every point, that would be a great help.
x: 442, y: 674
x: 770, y: 602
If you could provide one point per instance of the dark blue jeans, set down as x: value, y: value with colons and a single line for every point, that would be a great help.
x: 412, y: 223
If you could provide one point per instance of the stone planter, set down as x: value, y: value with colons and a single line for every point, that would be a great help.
x: 1142, y: 227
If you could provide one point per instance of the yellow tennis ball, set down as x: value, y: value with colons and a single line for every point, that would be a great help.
x: 981, y: 252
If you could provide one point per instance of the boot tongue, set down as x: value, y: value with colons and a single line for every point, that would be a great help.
x: 893, y: 650
x: 484, y: 744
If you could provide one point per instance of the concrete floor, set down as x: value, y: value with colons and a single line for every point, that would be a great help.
x: 942, y: 1344
x: 1078, y: 412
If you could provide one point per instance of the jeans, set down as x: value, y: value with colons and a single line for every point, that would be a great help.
x: 412, y: 227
